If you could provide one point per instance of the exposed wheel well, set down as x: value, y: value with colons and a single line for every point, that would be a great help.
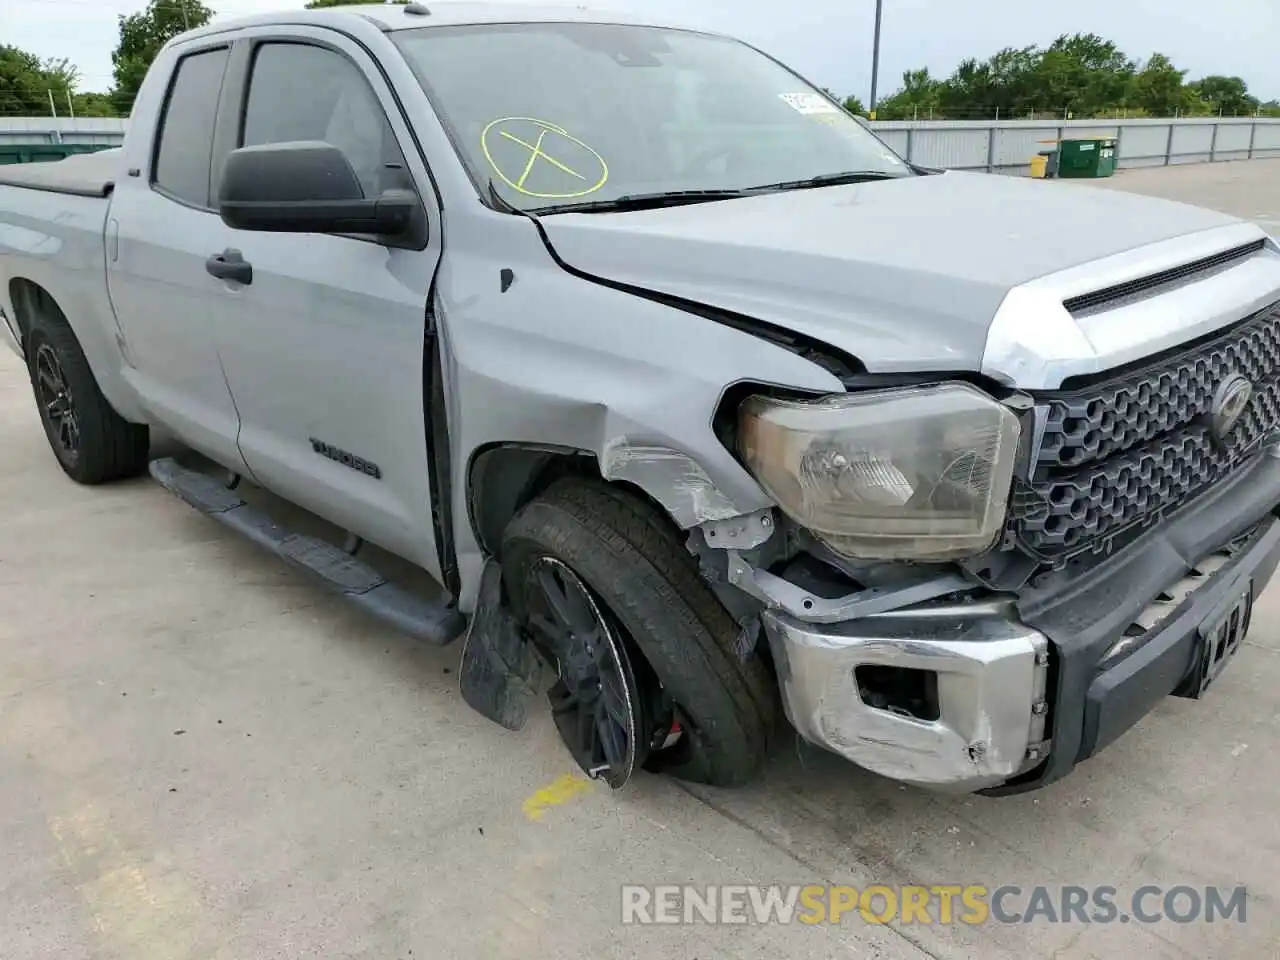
x: 29, y: 299
x: 502, y: 478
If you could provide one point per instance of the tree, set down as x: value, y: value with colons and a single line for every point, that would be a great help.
x: 1081, y: 74
x: 1228, y: 96
x: 1194, y: 105
x: 998, y: 86
x: 1084, y: 74
x: 94, y: 105
x: 321, y: 4
x: 20, y: 88
x: 1157, y: 87
x: 919, y: 96
x: 60, y: 75
x: 59, y: 78
x: 142, y: 35
x: 26, y: 82
x: 854, y: 106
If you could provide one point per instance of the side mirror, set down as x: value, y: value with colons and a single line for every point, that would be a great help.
x: 308, y: 187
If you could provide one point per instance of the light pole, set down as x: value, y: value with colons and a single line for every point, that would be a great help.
x: 875, y: 61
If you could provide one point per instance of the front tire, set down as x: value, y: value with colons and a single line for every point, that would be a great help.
x: 92, y: 443
x: 632, y: 560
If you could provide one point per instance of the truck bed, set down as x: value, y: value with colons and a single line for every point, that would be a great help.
x: 52, y: 234
x: 83, y: 175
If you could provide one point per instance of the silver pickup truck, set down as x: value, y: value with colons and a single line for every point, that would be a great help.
x: 702, y: 406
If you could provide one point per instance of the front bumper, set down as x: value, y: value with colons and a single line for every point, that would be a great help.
x: 991, y: 673
x: 1022, y: 691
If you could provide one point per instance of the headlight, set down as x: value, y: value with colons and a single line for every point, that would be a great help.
x: 920, y: 473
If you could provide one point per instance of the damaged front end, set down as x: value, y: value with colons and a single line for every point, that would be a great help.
x: 917, y: 623
x: 1100, y: 554
x: 911, y: 671
x: 886, y: 652
x: 914, y: 673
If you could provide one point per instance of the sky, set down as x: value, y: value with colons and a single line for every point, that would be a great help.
x: 828, y: 41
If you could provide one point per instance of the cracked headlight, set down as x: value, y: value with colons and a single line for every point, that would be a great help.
x: 921, y: 473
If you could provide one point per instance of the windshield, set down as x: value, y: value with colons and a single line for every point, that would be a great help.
x: 558, y: 115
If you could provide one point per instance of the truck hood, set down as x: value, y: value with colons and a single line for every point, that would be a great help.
x: 902, y: 274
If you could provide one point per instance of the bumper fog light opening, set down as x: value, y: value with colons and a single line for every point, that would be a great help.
x: 905, y: 691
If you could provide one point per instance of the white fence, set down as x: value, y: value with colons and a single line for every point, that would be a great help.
x: 91, y: 130
x: 1007, y: 146
x: 997, y: 146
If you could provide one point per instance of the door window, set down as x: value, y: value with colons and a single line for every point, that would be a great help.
x: 304, y: 92
x: 185, y: 143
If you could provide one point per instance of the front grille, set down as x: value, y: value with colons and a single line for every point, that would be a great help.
x: 1139, y: 444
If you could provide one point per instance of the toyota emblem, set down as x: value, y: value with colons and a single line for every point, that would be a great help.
x: 1228, y: 406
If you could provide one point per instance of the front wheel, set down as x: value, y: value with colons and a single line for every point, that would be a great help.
x: 92, y: 442
x: 650, y: 668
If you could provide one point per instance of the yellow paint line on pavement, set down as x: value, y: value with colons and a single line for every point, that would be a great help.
x: 557, y: 793
x: 139, y: 904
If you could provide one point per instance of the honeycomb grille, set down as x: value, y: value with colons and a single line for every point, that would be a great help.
x: 1139, y: 444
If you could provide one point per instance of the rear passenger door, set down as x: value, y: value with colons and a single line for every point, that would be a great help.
x: 324, y: 349
x: 161, y: 224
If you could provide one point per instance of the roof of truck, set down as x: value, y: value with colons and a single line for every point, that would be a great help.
x: 471, y: 11
x: 442, y: 13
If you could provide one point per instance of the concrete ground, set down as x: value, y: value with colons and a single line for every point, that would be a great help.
x: 203, y: 756
x: 1248, y: 189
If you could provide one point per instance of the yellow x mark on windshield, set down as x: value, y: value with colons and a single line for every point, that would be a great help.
x: 536, y: 151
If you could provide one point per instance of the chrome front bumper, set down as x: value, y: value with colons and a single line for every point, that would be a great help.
x: 991, y: 681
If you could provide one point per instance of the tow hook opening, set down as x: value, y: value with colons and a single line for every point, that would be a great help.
x: 905, y: 691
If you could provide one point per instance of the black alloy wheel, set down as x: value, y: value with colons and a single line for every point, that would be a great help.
x: 707, y: 707
x: 91, y: 441
x: 594, y: 700
x: 57, y: 405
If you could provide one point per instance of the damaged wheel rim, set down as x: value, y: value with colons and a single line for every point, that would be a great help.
x: 594, y: 699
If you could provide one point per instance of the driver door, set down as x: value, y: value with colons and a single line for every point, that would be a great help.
x: 324, y: 346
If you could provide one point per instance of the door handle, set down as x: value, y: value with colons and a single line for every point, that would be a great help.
x: 230, y: 265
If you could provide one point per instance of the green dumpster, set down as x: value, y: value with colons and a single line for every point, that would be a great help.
x: 1087, y: 159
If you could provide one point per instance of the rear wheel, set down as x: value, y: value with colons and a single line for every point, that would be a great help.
x: 93, y: 443
x: 651, y: 668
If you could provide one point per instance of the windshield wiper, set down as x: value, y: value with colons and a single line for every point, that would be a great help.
x: 826, y: 180
x: 675, y: 198
x: 644, y: 201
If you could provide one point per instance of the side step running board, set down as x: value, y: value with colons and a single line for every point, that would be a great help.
x: 342, y: 573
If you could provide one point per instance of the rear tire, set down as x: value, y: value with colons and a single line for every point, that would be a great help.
x: 632, y: 560
x: 92, y: 443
